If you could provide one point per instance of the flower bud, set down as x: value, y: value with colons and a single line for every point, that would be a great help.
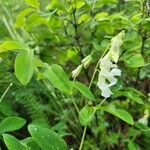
x: 77, y: 71
x: 87, y: 61
x: 143, y: 121
x: 116, y: 43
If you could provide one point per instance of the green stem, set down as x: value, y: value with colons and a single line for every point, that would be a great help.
x: 5, y: 92
x: 95, y: 70
x: 76, y: 107
x: 83, y: 137
x: 102, y: 101
x: 74, y: 103
x: 84, y: 131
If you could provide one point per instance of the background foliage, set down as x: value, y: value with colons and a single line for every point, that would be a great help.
x: 42, y: 42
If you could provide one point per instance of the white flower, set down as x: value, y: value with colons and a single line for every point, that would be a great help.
x: 105, y: 89
x: 108, y: 70
x: 143, y: 121
x: 77, y: 71
x: 116, y: 43
x: 116, y: 72
x: 107, y: 74
x: 87, y: 61
x: 106, y: 63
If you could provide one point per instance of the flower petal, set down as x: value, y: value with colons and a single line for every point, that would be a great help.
x: 115, y: 72
x: 112, y: 81
x: 105, y: 63
x: 104, y: 72
x: 108, y: 71
x: 102, y: 85
x: 106, y: 93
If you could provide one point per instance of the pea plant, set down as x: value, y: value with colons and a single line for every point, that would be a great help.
x: 74, y: 74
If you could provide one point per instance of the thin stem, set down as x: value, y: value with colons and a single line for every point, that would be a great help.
x: 102, y: 101
x: 85, y: 128
x: 84, y: 131
x: 74, y: 103
x: 5, y: 92
x: 76, y: 106
x: 95, y: 70
x: 83, y: 137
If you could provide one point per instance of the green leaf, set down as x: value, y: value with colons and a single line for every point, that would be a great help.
x: 33, y: 3
x: 13, y: 143
x: 120, y: 113
x: 137, y: 18
x: 35, y: 20
x: 139, y: 93
x: 11, y: 124
x: 31, y: 143
x: 134, y: 97
x: 6, y: 108
x: 133, y: 132
x: 101, y: 16
x: 131, y: 94
x: 135, y: 61
x: 12, y: 45
x: 108, y: 1
x: 142, y: 127
x: 20, y: 21
x: 24, y: 66
x: 86, y: 114
x: 58, y: 78
x: 84, y: 90
x: 83, y: 18
x: 131, y: 146
x: 46, y: 138
x: 79, y: 4
x: 39, y: 63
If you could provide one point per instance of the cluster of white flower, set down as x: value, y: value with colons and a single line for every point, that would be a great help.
x: 107, y: 75
x: 108, y: 70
